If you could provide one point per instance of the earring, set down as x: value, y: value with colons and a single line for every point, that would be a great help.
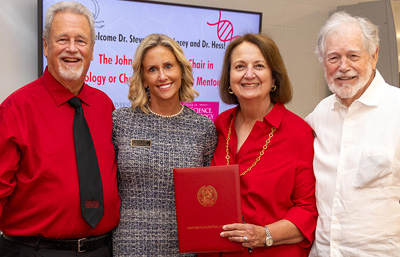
x: 273, y: 88
x: 230, y: 90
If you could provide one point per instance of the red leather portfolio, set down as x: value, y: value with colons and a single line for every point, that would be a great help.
x: 206, y: 199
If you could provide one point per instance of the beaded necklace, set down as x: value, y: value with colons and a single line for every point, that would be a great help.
x: 165, y: 116
x: 261, y: 152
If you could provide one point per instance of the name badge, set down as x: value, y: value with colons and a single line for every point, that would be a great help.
x: 140, y: 143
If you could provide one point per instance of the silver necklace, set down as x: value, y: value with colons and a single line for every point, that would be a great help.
x: 165, y: 116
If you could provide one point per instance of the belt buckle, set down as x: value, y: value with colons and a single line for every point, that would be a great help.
x: 79, y: 245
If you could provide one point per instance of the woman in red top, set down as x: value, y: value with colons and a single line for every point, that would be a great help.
x: 274, y: 150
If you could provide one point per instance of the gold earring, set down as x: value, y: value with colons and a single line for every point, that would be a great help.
x: 230, y: 90
x: 273, y: 88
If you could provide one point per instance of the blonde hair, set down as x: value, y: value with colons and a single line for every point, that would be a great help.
x: 137, y: 92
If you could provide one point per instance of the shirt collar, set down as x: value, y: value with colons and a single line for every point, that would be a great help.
x: 274, y: 117
x: 59, y: 93
x: 370, y: 97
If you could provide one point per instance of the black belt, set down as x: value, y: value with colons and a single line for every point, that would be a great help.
x: 79, y: 245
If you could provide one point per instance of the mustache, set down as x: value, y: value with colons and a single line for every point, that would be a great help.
x: 348, y: 74
x: 77, y: 55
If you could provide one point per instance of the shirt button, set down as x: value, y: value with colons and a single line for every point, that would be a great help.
x: 335, y: 220
x: 337, y: 194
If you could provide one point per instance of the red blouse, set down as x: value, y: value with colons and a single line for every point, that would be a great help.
x: 282, y: 184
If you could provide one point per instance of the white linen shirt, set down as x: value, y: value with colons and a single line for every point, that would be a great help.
x: 357, y: 170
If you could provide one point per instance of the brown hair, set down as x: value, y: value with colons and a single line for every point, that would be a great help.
x: 283, y: 93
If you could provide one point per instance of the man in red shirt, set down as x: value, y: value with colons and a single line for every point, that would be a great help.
x: 40, y: 211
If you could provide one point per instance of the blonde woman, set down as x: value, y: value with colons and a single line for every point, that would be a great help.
x: 151, y: 138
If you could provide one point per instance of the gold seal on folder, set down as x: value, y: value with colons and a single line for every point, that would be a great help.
x: 207, y: 196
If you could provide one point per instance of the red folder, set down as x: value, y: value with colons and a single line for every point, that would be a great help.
x: 206, y: 199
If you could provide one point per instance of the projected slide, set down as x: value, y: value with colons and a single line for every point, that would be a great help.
x: 203, y: 33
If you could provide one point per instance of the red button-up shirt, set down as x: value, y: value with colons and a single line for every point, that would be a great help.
x: 282, y: 184
x: 39, y: 190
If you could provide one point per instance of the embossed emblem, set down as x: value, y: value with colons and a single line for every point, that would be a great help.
x: 207, y: 196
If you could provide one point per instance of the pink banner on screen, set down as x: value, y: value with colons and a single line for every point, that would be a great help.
x: 209, y: 109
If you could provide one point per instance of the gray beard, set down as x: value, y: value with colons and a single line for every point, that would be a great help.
x: 70, y: 74
x: 346, y: 91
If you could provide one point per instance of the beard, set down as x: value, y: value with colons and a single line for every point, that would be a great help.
x: 347, y: 90
x: 71, y: 73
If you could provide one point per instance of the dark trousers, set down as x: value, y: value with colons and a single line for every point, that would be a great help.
x: 10, y: 249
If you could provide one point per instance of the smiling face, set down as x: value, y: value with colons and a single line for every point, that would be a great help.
x: 162, y: 74
x: 69, y: 50
x: 349, y: 68
x: 250, y: 76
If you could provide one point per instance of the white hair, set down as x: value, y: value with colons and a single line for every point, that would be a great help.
x: 370, y: 32
x: 65, y: 7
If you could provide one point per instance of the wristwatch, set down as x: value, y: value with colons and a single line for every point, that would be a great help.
x: 268, y: 239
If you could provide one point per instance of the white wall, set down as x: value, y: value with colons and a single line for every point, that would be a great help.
x: 293, y: 24
x: 18, y: 44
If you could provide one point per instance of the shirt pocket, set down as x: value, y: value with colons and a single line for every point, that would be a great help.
x: 375, y: 169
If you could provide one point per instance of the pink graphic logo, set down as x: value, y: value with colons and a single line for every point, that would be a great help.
x: 209, y: 109
x: 224, y: 29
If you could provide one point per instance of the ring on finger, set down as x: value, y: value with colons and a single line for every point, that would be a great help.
x: 245, y: 239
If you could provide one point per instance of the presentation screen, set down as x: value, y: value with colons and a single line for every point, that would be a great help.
x: 203, y: 33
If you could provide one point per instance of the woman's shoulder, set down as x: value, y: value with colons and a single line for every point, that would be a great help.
x: 225, y: 114
x: 125, y: 111
x: 295, y: 122
x: 228, y: 112
x: 125, y: 114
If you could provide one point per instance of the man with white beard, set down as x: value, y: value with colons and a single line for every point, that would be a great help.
x: 43, y: 199
x: 357, y: 146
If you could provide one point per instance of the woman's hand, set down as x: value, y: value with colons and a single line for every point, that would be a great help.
x: 282, y: 232
x: 239, y: 232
